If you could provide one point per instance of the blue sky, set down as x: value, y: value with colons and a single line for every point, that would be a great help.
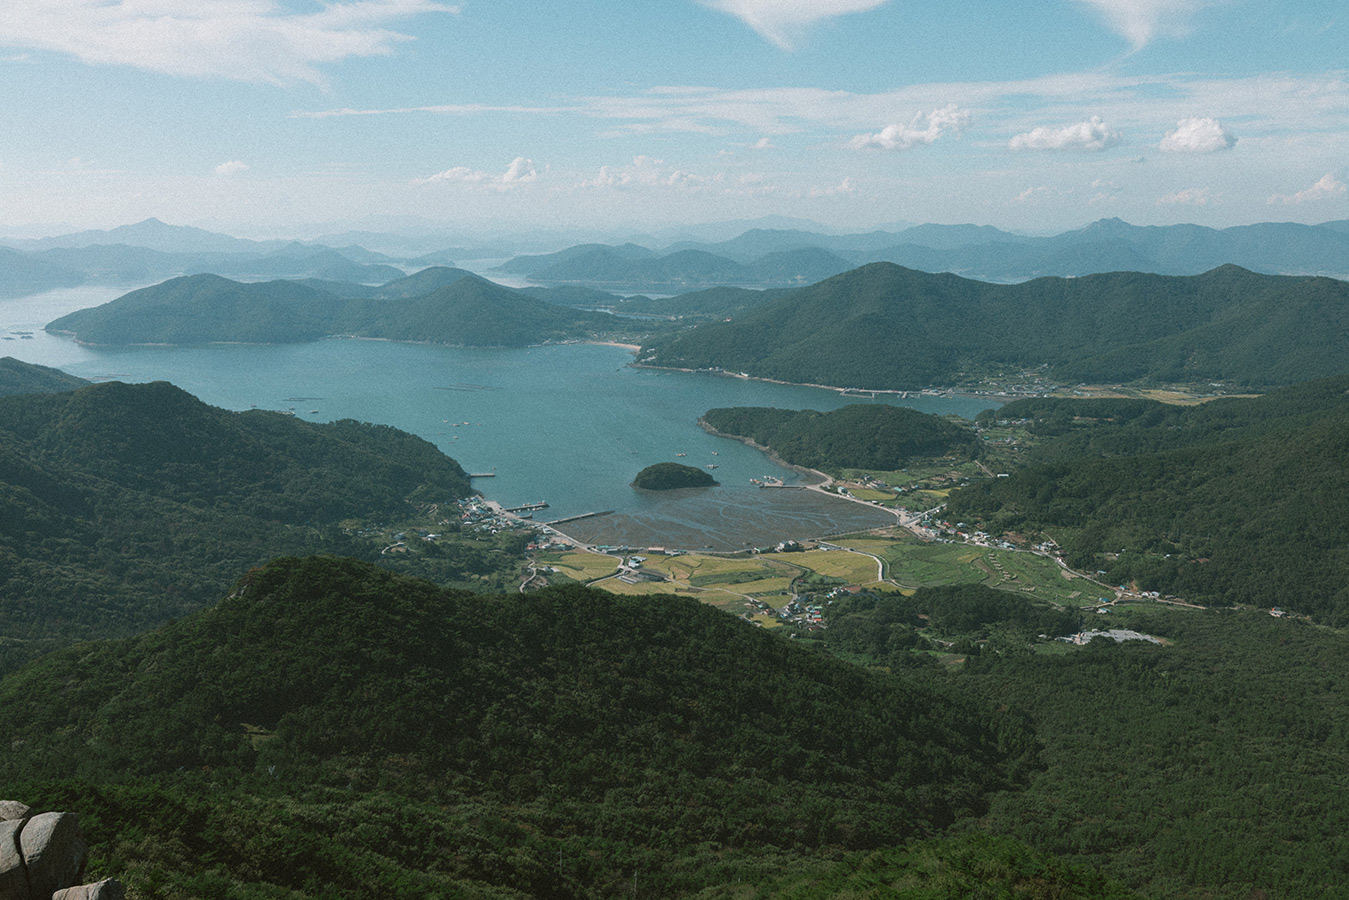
x: 272, y: 117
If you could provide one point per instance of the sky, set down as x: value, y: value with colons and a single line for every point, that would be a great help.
x: 273, y: 117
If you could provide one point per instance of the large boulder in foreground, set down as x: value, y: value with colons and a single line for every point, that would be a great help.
x: 42, y: 856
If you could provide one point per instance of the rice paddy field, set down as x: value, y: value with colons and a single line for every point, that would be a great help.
x: 894, y: 560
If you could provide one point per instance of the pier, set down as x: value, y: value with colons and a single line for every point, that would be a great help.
x: 542, y: 504
x: 581, y: 516
x: 482, y: 474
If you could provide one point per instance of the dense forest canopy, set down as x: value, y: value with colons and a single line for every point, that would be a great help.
x: 125, y: 505
x: 859, y: 436
x: 885, y: 327
x: 654, y: 732
x: 668, y: 476
x: 448, y: 306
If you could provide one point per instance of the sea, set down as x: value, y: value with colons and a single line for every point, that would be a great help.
x: 568, y: 425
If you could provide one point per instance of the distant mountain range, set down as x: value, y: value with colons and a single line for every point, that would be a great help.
x: 441, y: 305
x: 767, y: 257
x: 770, y: 252
x: 150, y: 250
x: 886, y: 327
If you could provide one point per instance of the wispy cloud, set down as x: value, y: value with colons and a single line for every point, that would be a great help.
x: 239, y: 40
x: 1189, y: 197
x: 1328, y: 187
x: 1266, y: 105
x: 1140, y: 21
x: 842, y: 189
x: 445, y: 109
x: 922, y: 129
x: 1204, y: 135
x: 233, y: 167
x: 520, y: 171
x: 776, y: 19
x: 647, y: 171
x: 1090, y: 135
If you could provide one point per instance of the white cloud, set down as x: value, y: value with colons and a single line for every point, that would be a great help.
x: 1189, y: 197
x: 1089, y: 135
x: 646, y: 171
x: 1139, y: 21
x: 773, y: 19
x: 239, y: 40
x: 520, y: 171
x: 1198, y: 135
x: 762, y: 143
x: 1329, y: 186
x: 233, y: 167
x: 924, y: 129
x: 841, y: 189
x: 1270, y: 106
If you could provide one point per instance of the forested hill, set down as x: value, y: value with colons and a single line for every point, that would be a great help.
x: 1235, y: 501
x: 854, y: 437
x: 122, y: 506
x: 17, y: 377
x: 885, y: 327
x: 549, y: 744
x: 439, y: 305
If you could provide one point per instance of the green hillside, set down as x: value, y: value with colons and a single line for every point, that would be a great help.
x: 475, y: 312
x: 718, y: 303
x: 669, y: 476
x: 855, y: 437
x: 17, y: 377
x: 331, y: 729
x: 203, y: 308
x: 122, y: 506
x: 885, y: 327
x: 439, y: 305
x: 1240, y: 501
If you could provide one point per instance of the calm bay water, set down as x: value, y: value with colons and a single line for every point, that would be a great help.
x: 566, y: 424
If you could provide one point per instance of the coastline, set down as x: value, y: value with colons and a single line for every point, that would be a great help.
x: 865, y: 393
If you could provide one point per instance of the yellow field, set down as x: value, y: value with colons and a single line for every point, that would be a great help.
x: 726, y: 582
x: 580, y: 565
x: 853, y: 568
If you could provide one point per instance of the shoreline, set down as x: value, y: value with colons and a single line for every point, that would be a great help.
x: 861, y: 393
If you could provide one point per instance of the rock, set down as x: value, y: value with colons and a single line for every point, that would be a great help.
x: 40, y: 855
x: 107, y: 889
x: 13, y: 880
x: 13, y: 809
x: 54, y: 852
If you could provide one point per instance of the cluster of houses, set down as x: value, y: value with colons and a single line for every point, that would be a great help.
x: 477, y: 514
x: 798, y: 611
x: 630, y: 571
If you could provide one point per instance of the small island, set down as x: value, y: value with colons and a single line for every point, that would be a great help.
x: 668, y: 476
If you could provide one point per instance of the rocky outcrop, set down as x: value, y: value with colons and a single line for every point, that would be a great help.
x: 107, y: 889
x: 42, y: 855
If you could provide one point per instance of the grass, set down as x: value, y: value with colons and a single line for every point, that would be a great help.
x: 579, y: 565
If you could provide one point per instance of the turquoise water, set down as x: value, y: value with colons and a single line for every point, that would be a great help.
x: 566, y: 424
